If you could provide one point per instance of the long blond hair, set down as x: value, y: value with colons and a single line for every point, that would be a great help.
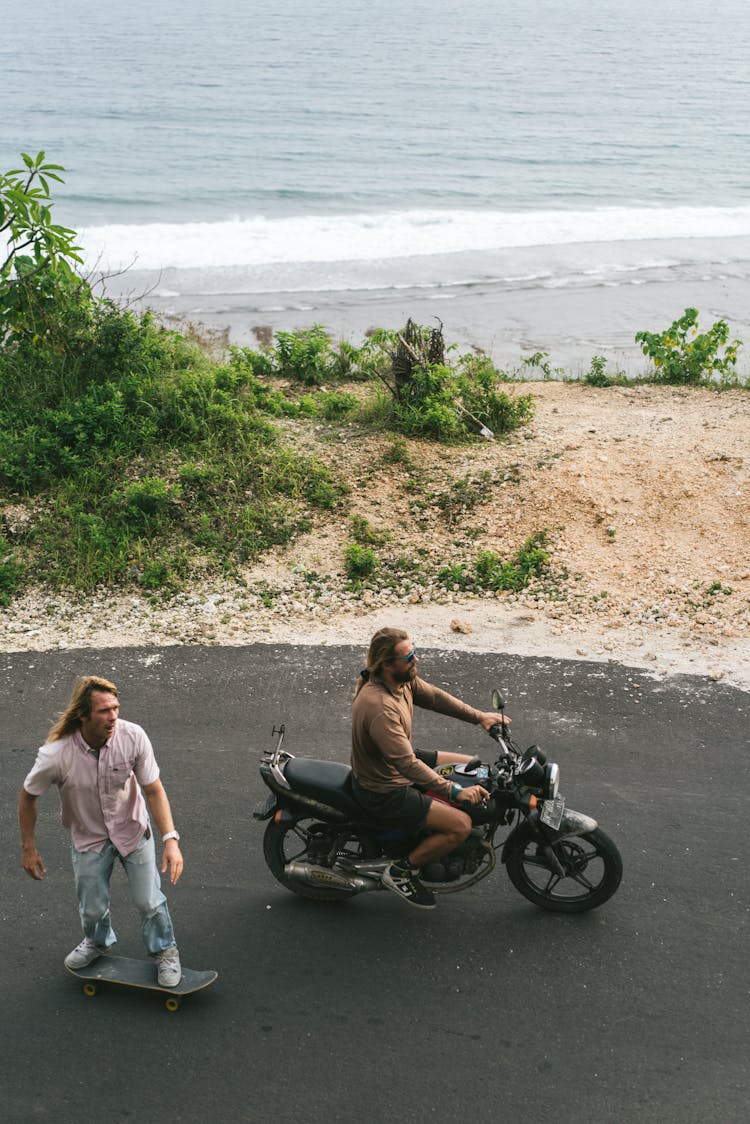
x: 381, y: 651
x: 80, y: 705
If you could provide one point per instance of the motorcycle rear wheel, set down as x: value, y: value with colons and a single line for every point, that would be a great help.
x: 290, y: 841
x: 593, y: 870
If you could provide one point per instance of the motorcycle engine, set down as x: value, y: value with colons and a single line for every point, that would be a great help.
x: 465, y: 860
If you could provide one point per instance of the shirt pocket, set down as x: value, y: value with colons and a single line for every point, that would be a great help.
x: 118, y: 776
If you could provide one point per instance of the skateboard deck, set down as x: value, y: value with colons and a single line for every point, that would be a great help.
x: 141, y: 974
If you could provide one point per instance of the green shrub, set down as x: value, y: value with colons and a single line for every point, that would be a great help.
x: 40, y: 256
x: 598, y: 375
x: 304, y: 356
x: 164, y: 571
x: 682, y: 355
x: 138, y: 445
x: 434, y: 399
x: 117, y: 416
x: 310, y: 357
x: 455, y: 576
x: 335, y: 405
x: 365, y: 534
x: 490, y: 572
x: 360, y: 561
x: 331, y: 405
x: 450, y: 403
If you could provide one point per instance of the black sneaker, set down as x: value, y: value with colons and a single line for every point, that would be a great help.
x: 407, y: 885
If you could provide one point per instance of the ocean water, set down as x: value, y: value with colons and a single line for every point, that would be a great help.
x: 253, y: 154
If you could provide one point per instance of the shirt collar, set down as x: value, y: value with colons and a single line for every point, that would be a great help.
x: 84, y: 746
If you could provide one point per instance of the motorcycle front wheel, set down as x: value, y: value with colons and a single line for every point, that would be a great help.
x: 592, y: 872
x: 311, y: 841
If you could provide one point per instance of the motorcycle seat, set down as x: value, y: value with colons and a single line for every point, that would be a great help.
x: 330, y: 782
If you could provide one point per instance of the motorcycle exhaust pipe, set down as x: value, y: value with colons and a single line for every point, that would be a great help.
x: 324, y: 877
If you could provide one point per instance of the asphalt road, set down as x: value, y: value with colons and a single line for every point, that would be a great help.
x: 483, y: 1009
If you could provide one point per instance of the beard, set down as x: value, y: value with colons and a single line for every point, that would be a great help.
x: 408, y: 675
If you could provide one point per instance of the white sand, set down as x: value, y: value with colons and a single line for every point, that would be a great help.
x: 571, y: 325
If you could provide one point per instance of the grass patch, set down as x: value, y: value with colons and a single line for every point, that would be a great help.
x: 489, y: 571
x: 359, y: 562
x: 147, y: 460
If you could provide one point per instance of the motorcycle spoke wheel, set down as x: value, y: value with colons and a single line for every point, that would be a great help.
x: 311, y: 841
x: 592, y: 870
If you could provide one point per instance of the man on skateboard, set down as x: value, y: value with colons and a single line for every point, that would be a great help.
x: 108, y: 782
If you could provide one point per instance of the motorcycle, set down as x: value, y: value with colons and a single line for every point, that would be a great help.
x: 321, y: 844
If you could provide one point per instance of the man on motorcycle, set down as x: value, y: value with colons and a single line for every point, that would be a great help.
x: 390, y: 778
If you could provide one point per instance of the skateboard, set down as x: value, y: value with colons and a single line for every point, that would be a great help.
x: 141, y: 974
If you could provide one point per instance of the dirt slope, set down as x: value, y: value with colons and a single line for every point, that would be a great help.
x: 642, y: 490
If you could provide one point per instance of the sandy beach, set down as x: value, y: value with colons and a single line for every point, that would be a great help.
x: 570, y: 325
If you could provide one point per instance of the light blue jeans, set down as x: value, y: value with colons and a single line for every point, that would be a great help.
x: 93, y: 875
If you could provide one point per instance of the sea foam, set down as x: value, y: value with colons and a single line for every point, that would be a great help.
x: 263, y: 241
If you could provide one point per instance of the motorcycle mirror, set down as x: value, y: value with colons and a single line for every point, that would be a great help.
x: 498, y: 702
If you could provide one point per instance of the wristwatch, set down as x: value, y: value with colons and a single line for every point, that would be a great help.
x: 171, y: 835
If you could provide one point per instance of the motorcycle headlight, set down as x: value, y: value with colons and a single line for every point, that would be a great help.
x: 544, y: 779
x: 532, y: 773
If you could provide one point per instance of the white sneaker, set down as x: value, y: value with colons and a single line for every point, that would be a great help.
x: 168, y: 970
x: 83, y: 954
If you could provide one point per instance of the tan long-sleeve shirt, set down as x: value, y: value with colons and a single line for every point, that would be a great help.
x: 382, y: 753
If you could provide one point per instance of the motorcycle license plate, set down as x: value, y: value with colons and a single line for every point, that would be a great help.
x: 552, y: 812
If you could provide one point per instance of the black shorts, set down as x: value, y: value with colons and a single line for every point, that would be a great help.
x: 405, y: 806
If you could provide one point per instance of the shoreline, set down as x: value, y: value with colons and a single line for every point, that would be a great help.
x: 570, y: 325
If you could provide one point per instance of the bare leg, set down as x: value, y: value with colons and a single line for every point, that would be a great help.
x: 448, y: 828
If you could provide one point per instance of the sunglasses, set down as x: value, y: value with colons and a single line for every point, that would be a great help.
x: 406, y: 659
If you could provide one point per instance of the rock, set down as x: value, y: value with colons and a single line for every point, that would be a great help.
x: 460, y: 626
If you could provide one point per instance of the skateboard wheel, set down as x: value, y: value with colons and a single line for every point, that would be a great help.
x: 172, y: 1004
x: 89, y: 989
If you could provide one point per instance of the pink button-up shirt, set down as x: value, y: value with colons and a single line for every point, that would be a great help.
x: 100, y: 799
